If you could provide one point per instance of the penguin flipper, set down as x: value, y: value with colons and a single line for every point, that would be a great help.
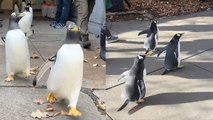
x: 3, y: 39
x: 143, y: 32
x: 122, y: 76
x: 124, y: 105
x: 161, y: 51
x: 42, y: 71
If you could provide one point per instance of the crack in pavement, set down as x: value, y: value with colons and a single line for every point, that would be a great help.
x: 84, y: 90
x: 37, y: 50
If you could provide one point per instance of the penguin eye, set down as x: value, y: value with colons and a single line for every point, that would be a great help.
x: 178, y: 34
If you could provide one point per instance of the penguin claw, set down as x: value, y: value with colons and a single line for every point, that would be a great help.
x: 74, y: 112
x: 26, y: 76
x: 180, y: 66
x: 9, y: 78
x: 140, y: 101
x: 51, y: 98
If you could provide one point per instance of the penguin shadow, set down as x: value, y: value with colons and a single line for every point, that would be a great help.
x: 192, y: 28
x: 172, y: 98
x: 62, y: 105
x: 130, y: 42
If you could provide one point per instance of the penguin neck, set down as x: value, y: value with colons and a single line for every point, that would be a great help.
x: 137, y: 68
x: 13, y: 25
x: 134, y: 68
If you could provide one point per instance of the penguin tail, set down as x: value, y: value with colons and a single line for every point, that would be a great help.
x: 124, y: 105
x: 165, y: 72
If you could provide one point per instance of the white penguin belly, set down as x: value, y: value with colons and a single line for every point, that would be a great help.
x: 31, y: 15
x: 25, y: 22
x: 146, y: 44
x: 179, y: 54
x: 17, y: 52
x: 66, y: 75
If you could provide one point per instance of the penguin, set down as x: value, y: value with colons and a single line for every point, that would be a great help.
x: 152, y: 37
x: 17, y: 51
x: 135, y: 88
x: 31, y: 12
x: 16, y: 9
x: 66, y: 75
x: 26, y: 21
x: 172, y: 58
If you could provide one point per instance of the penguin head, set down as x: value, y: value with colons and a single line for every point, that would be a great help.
x: 72, y: 27
x: 73, y: 34
x: 177, y: 36
x: 27, y: 8
x: 138, y: 65
x: 13, y: 21
x: 14, y: 17
x: 153, y: 25
x: 140, y: 59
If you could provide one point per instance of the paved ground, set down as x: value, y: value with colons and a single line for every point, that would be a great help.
x: 17, y: 97
x: 183, y: 94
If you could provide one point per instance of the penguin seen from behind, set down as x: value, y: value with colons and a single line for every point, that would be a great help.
x: 172, y: 58
x: 26, y: 21
x: 152, y: 37
x: 135, y: 88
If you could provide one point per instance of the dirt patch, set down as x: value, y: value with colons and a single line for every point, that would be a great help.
x: 146, y: 10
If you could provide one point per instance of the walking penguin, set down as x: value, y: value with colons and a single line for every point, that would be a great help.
x: 152, y: 37
x: 135, y: 89
x: 66, y: 75
x: 172, y: 58
x: 17, y: 51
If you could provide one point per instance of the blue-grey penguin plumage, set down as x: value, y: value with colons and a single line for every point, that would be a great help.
x: 172, y: 58
x: 135, y: 89
x: 152, y: 37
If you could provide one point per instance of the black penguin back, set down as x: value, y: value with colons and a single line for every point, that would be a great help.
x: 13, y: 22
x: 171, y: 58
x: 139, y: 89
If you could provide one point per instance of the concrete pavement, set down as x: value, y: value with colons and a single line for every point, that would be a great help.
x: 183, y: 94
x: 16, y: 98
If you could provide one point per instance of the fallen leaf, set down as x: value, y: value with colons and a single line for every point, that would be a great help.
x: 39, y: 101
x: 34, y: 56
x: 56, y: 114
x: 86, y: 61
x: 103, y: 66
x: 95, y: 65
x: 96, y: 57
x: 101, y: 105
x: 39, y: 114
x: 34, y: 69
x: 64, y: 113
x: 49, y: 108
x: 33, y: 73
